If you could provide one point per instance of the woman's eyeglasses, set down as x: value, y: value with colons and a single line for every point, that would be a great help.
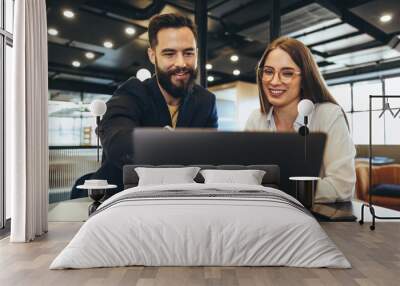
x: 285, y: 75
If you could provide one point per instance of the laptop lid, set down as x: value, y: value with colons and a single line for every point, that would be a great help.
x: 296, y: 155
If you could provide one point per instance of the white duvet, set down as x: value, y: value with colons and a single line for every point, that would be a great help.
x: 190, y: 231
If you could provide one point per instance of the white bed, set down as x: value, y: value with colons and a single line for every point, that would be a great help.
x: 247, y: 226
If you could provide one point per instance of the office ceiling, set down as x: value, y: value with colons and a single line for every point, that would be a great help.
x: 344, y: 36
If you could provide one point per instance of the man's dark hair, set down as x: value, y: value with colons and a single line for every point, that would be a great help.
x: 164, y: 21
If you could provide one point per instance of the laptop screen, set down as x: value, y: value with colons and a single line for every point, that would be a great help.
x: 294, y: 154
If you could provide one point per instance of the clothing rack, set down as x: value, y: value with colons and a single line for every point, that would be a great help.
x: 370, y: 204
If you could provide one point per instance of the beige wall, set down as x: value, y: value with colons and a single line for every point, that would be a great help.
x: 245, y: 96
x: 247, y: 101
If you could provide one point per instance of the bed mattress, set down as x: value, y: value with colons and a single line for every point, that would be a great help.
x: 201, y: 225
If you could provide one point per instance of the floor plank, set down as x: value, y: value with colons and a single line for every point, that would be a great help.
x: 374, y: 255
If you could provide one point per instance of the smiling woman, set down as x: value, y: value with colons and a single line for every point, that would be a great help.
x: 287, y: 73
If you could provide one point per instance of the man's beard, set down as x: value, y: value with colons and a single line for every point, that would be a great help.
x: 165, y: 80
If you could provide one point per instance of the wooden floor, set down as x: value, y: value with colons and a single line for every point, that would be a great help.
x: 374, y: 255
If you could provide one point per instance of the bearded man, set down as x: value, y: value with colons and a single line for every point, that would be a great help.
x: 171, y: 97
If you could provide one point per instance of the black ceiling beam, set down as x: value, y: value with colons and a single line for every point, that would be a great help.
x: 241, y: 42
x: 79, y: 86
x: 201, y: 23
x: 89, y: 72
x: 324, y: 64
x: 220, y: 74
x: 373, y: 67
x: 232, y: 40
x: 63, y: 3
x: 230, y: 77
x: 356, y: 48
x: 321, y: 54
x: 354, y: 20
x: 320, y: 29
x: 231, y: 36
x: 239, y: 8
x: 77, y: 46
x: 351, y: 49
x: 126, y: 10
x: 53, y: 76
x: 275, y: 22
x: 355, y: 3
x: 217, y: 4
x: 266, y: 17
x: 189, y: 10
x: 230, y: 80
x: 336, y: 39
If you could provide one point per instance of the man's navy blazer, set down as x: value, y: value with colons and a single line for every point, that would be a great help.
x: 141, y: 104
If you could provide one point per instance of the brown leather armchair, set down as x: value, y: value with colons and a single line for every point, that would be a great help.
x: 386, y: 174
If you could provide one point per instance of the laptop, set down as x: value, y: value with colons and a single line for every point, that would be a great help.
x: 294, y: 154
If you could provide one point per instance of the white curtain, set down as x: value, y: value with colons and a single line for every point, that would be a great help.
x: 27, y: 144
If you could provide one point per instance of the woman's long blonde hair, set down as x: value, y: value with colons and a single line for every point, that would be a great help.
x: 313, y: 86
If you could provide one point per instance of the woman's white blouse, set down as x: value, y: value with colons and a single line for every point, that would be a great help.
x: 338, y: 170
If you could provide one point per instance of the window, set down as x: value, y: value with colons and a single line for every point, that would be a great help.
x: 8, y: 74
x: 392, y: 134
x: 2, y: 125
x: 361, y: 92
x: 342, y: 94
x: 392, y: 87
x: 6, y: 30
x: 9, y: 15
x: 384, y: 123
x: 70, y: 121
x: 361, y: 128
x: 72, y: 139
x: 349, y: 116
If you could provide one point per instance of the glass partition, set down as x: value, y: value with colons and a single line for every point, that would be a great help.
x: 66, y: 165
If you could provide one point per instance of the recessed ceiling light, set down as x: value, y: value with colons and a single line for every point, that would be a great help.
x: 210, y: 78
x: 385, y: 18
x: 130, y: 31
x: 108, y: 44
x: 68, y: 14
x: 52, y: 32
x: 89, y: 55
x: 234, y: 58
x: 143, y: 74
x: 209, y: 66
x: 76, y: 64
x: 236, y: 72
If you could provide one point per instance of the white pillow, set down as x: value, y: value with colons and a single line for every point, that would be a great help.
x: 165, y: 176
x: 248, y: 177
